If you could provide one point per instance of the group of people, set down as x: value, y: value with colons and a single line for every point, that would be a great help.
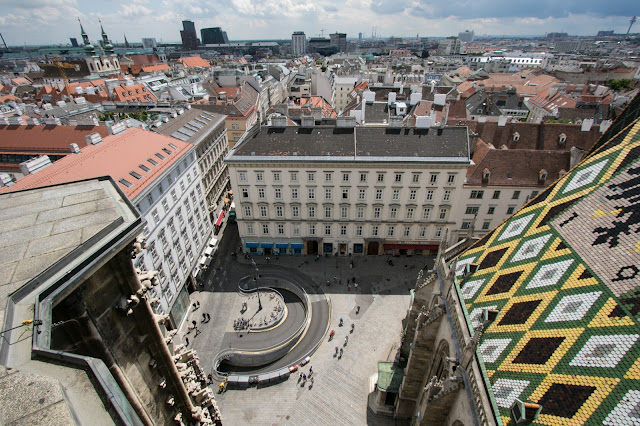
x: 303, y: 377
x: 339, y: 351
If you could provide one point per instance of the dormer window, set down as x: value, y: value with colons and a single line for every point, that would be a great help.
x: 562, y: 139
x: 542, y: 175
x: 561, y: 173
x: 516, y: 137
x: 486, y: 174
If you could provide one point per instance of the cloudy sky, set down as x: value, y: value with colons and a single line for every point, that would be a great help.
x: 54, y: 21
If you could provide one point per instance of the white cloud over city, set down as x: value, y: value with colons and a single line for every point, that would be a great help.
x: 54, y: 21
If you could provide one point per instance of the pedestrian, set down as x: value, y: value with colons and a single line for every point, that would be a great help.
x: 336, y: 350
x: 198, y: 303
x: 310, y: 370
x: 340, y: 353
x: 300, y: 378
x: 357, y: 309
x: 186, y: 339
x: 194, y: 323
x: 335, y: 279
x: 349, y: 287
x: 348, y: 280
x: 312, y: 381
x: 346, y: 340
x: 355, y: 285
x: 304, y: 378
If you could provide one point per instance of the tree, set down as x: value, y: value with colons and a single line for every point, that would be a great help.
x: 619, y: 84
x: 425, y: 54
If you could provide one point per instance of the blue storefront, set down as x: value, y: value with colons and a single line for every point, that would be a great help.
x: 268, y: 248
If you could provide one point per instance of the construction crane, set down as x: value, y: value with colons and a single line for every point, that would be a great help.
x: 631, y: 22
x: 61, y: 66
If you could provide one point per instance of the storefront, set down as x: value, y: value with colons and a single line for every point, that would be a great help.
x: 281, y: 248
x: 408, y: 249
x: 251, y: 247
x: 297, y: 248
x: 267, y: 248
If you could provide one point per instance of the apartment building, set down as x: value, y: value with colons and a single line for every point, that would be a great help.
x: 344, y: 190
x: 160, y: 175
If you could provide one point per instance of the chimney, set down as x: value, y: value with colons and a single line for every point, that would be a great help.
x: 5, y: 180
x: 346, y: 122
x: 278, y: 121
x: 75, y: 149
x: 93, y: 139
x: 423, y: 122
x: 307, y: 122
x: 586, y: 124
x: 391, y: 98
x: 502, y: 121
x: 396, y: 122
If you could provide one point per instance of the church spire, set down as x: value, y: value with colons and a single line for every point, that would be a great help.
x: 106, y: 44
x: 126, y: 43
x: 89, y: 50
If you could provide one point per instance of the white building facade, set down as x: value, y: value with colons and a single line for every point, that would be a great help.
x: 177, y: 230
x: 345, y: 190
x: 298, y: 43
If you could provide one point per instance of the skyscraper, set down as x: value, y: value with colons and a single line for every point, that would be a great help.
x: 189, y: 35
x: 213, y: 35
x: 339, y: 40
x: 299, y: 43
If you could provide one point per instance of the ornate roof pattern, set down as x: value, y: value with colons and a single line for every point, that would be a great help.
x: 564, y: 274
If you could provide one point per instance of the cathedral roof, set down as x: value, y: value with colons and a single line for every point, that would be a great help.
x: 564, y: 274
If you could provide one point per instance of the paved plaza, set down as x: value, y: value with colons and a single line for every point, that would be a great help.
x: 341, y: 387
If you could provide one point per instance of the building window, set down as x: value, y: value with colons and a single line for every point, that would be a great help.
x: 345, y: 194
x: 443, y: 214
x: 174, y: 196
x: 396, y: 194
x: 430, y: 195
x: 510, y: 209
x: 345, y: 177
x: 344, y: 212
x: 415, y: 178
x: 242, y: 176
x: 343, y: 230
x: 153, y: 251
x: 279, y: 211
x: 496, y: 195
x: 516, y: 195
x: 406, y: 231
x: 486, y: 225
x: 327, y: 193
x: 359, y: 230
x: 261, y: 193
x: 451, y: 179
x: 466, y: 225
x: 235, y: 126
x: 296, y: 230
x: 327, y: 230
x: 393, y: 213
x: 312, y: 193
x: 410, y: 212
x: 534, y: 194
x: 294, y: 193
x: 391, y: 231
x: 295, y: 211
x: 363, y: 177
x: 447, y: 195
x: 276, y: 177
x: 423, y: 231
x: 472, y: 210
x: 155, y: 216
x: 412, y: 194
x: 433, y: 178
x: 376, y: 212
x: 378, y: 194
x: 477, y: 195
x: 380, y: 177
x: 311, y: 177
x: 312, y: 211
x: 294, y: 176
x: 280, y: 229
x: 278, y: 193
x: 361, y: 194
x: 259, y: 176
x: 327, y: 177
x: 247, y: 211
x: 263, y: 211
x: 327, y: 212
x: 426, y: 213
x: 491, y: 210
x: 398, y: 177
x: 360, y: 212
x: 374, y: 231
x: 245, y: 193
x: 438, y: 232
x: 312, y: 230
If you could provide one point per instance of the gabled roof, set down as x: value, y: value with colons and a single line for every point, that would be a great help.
x: 117, y: 156
x: 563, y: 274
x: 134, y: 93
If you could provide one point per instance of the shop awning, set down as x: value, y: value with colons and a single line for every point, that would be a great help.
x: 266, y: 245
x: 220, y: 217
x: 251, y: 245
x: 410, y: 247
x: 297, y: 246
x: 280, y: 245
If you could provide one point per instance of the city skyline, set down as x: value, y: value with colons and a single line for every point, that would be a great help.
x: 55, y: 21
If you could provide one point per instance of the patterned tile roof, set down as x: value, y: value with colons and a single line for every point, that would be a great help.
x: 563, y: 273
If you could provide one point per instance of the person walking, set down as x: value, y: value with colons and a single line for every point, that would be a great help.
x: 355, y: 286
x: 186, y: 339
x: 346, y: 340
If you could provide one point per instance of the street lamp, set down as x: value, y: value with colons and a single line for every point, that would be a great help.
x: 257, y: 286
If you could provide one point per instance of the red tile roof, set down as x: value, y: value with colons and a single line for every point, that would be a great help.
x: 135, y: 93
x: 154, y: 68
x: 194, y: 62
x: 43, y: 139
x: 117, y: 156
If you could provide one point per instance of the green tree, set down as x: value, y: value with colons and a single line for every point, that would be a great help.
x: 619, y: 84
